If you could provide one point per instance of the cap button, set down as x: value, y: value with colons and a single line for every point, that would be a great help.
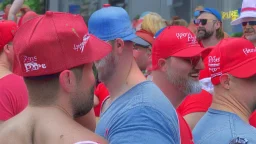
x: 49, y: 13
x: 106, y: 5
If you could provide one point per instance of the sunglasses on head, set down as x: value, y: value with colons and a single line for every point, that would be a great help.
x: 251, y: 23
x: 193, y: 60
x: 202, y: 21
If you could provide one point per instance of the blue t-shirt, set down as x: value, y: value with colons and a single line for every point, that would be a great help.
x: 143, y: 115
x: 220, y: 127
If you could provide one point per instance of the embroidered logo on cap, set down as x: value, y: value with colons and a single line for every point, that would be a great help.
x: 80, y: 47
x: 249, y: 50
x: 31, y: 64
x: 214, y: 65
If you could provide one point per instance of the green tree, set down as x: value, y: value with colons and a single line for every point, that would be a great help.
x: 35, y: 5
x: 4, y: 3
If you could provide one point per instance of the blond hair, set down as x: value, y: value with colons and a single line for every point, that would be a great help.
x: 153, y: 22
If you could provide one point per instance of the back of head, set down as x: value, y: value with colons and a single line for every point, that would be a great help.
x: 178, y: 21
x: 49, y: 44
x: 153, y: 22
x: 234, y: 56
x: 110, y: 23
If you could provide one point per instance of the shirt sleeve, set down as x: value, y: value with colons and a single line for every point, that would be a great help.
x: 6, y: 105
x: 195, y: 103
x: 144, y: 125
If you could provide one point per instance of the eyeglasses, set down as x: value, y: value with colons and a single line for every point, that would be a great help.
x: 251, y: 23
x: 202, y: 21
x: 193, y: 60
x: 138, y: 47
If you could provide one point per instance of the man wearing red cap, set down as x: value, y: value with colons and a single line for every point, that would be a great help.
x: 209, y: 33
x: 55, y: 57
x: 233, y: 74
x: 248, y: 20
x: 176, y: 62
x: 13, y: 91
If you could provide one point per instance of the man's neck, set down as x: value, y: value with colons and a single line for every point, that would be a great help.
x: 127, y: 76
x: 174, y: 95
x: 4, y: 70
x: 210, y: 42
x: 225, y: 102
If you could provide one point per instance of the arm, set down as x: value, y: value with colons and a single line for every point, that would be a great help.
x: 193, y: 118
x: 88, y: 120
x: 15, y: 8
x: 144, y: 125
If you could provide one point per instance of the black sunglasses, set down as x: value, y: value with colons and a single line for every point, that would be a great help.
x: 251, y: 23
x: 202, y: 21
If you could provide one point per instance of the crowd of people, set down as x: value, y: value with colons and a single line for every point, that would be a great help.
x: 156, y: 81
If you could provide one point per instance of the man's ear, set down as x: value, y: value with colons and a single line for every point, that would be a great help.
x: 162, y: 64
x: 68, y: 81
x: 119, y: 46
x: 7, y: 49
x: 225, y: 81
x: 218, y: 25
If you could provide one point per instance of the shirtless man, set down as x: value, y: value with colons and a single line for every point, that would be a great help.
x: 54, y: 55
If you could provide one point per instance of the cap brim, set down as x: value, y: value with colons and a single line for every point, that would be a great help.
x: 134, y: 38
x: 192, y: 51
x: 243, y: 19
x: 96, y: 49
x: 245, y: 71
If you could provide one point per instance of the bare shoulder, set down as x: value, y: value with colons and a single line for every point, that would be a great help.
x: 15, y: 130
x: 67, y: 132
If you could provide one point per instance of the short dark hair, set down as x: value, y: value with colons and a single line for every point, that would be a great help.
x: 43, y: 89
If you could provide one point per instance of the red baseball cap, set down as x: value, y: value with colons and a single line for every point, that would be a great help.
x: 54, y: 42
x: 147, y: 36
x: 236, y: 56
x: 28, y: 16
x: 7, y: 31
x: 176, y: 41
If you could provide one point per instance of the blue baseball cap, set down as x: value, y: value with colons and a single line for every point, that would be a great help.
x: 212, y: 11
x: 110, y: 23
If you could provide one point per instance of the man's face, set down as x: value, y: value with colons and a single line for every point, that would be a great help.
x: 106, y: 67
x: 206, y: 26
x: 183, y: 73
x: 82, y: 99
x: 142, y: 56
x: 249, y: 29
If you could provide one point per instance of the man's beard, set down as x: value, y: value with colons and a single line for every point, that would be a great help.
x: 185, y: 85
x: 205, y: 34
x: 106, y: 67
x: 82, y: 103
x: 252, y: 37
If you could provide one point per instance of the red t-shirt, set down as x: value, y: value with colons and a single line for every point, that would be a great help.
x: 101, y: 92
x: 252, y: 119
x: 195, y: 103
x: 13, y: 96
x: 185, y: 132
